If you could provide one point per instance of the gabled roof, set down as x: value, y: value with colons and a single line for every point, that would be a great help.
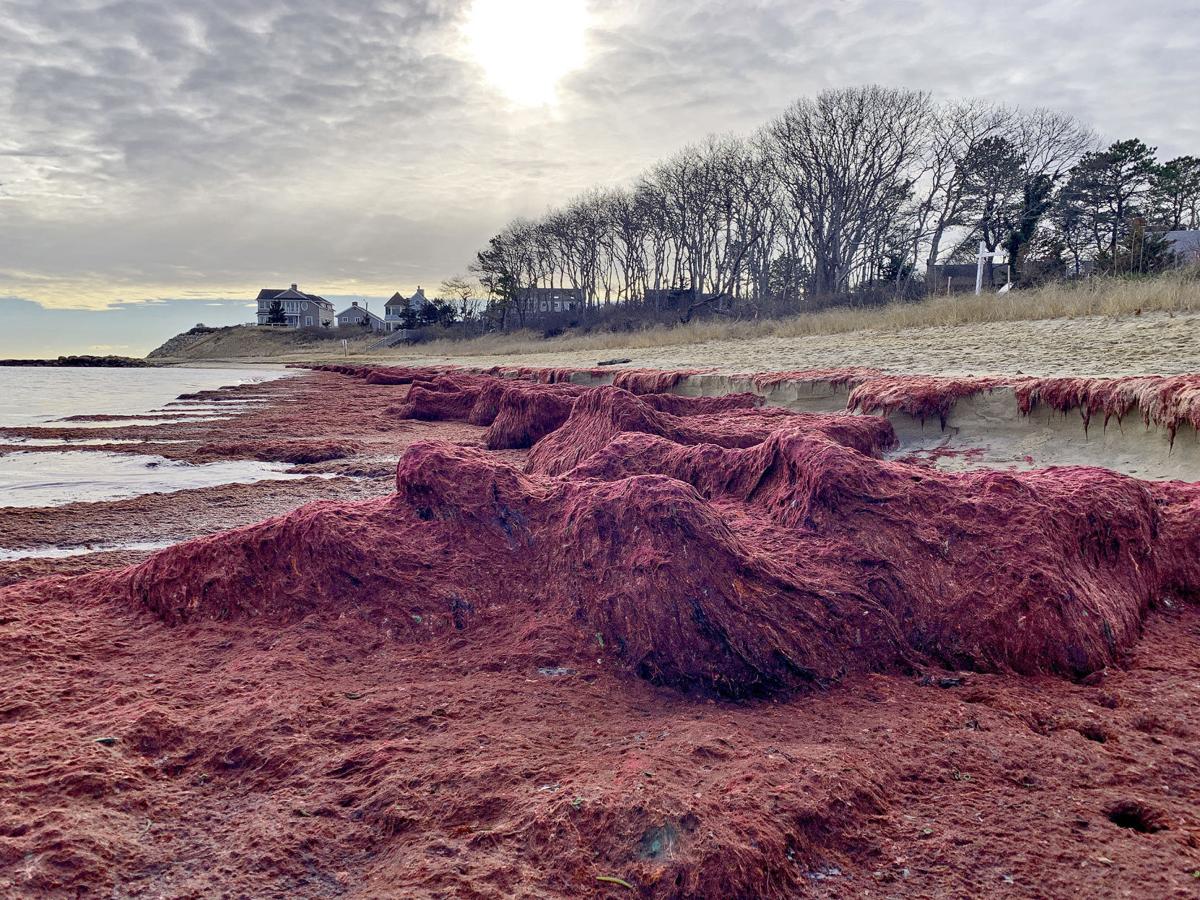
x: 1184, y: 242
x: 417, y: 300
x: 349, y: 310
x: 289, y: 294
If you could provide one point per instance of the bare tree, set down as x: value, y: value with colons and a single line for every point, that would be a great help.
x: 845, y: 161
x: 1051, y: 142
x: 955, y: 133
x: 850, y: 191
x: 463, y: 291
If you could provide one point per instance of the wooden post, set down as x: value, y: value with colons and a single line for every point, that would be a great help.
x: 979, y: 258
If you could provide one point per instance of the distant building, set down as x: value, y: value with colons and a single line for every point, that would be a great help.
x: 393, y: 310
x: 955, y: 278
x: 300, y: 310
x: 355, y: 316
x: 1185, y: 245
x: 545, y: 300
x: 674, y: 298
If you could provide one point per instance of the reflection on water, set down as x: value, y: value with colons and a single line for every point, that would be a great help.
x: 52, y: 478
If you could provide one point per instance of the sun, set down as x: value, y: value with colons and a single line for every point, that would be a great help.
x: 525, y: 47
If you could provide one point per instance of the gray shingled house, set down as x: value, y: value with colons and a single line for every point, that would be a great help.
x: 300, y: 310
x: 1185, y: 245
x: 355, y: 316
x: 393, y: 310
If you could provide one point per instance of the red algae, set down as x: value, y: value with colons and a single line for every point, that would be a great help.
x: 844, y: 377
x: 525, y: 413
x: 651, y: 381
x: 870, y: 562
x: 603, y: 413
x: 437, y: 403
x: 288, y: 451
x: 1165, y: 401
x: 919, y: 396
x: 678, y: 405
x: 545, y: 374
x: 694, y: 646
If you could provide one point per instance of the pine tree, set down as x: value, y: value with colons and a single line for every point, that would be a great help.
x: 1111, y: 187
x: 1175, y: 193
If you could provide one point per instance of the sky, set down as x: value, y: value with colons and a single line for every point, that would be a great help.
x: 162, y: 161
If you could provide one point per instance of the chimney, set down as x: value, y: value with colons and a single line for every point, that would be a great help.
x: 354, y: 303
x: 294, y: 288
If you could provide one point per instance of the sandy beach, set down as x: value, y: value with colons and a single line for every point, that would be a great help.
x: 1153, y: 343
x: 1101, y: 345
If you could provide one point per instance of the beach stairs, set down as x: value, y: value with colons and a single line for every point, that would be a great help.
x: 390, y: 340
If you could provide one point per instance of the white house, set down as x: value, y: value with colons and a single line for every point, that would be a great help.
x: 393, y: 310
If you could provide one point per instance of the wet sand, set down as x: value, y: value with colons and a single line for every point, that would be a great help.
x: 295, y: 414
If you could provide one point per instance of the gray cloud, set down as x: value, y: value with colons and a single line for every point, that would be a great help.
x: 152, y: 148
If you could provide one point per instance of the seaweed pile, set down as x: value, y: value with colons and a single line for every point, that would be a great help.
x: 682, y: 646
x: 742, y: 552
x: 1165, y: 401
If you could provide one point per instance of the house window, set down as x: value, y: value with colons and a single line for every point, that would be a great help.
x: 308, y: 320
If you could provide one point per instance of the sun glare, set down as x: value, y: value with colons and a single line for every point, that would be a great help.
x: 525, y: 47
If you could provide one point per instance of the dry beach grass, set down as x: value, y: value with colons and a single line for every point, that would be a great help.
x: 1173, y: 293
x: 1094, y: 327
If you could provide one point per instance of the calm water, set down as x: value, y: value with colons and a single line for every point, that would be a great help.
x: 39, y: 396
x: 35, y: 396
x: 55, y: 477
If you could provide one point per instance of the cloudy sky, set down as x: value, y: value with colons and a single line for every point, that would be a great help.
x: 191, y: 153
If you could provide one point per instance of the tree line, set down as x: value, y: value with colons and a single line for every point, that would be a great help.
x: 856, y: 193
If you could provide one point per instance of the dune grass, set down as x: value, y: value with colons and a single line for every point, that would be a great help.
x: 1175, y: 292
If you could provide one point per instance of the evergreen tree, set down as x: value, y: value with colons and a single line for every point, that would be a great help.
x: 1140, y: 252
x: 408, y: 316
x: 1175, y: 193
x: 993, y: 183
x: 1110, y: 187
x: 1036, y: 199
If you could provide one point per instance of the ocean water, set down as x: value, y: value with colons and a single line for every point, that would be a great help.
x: 36, y: 396
x: 63, y: 474
x: 55, y: 477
